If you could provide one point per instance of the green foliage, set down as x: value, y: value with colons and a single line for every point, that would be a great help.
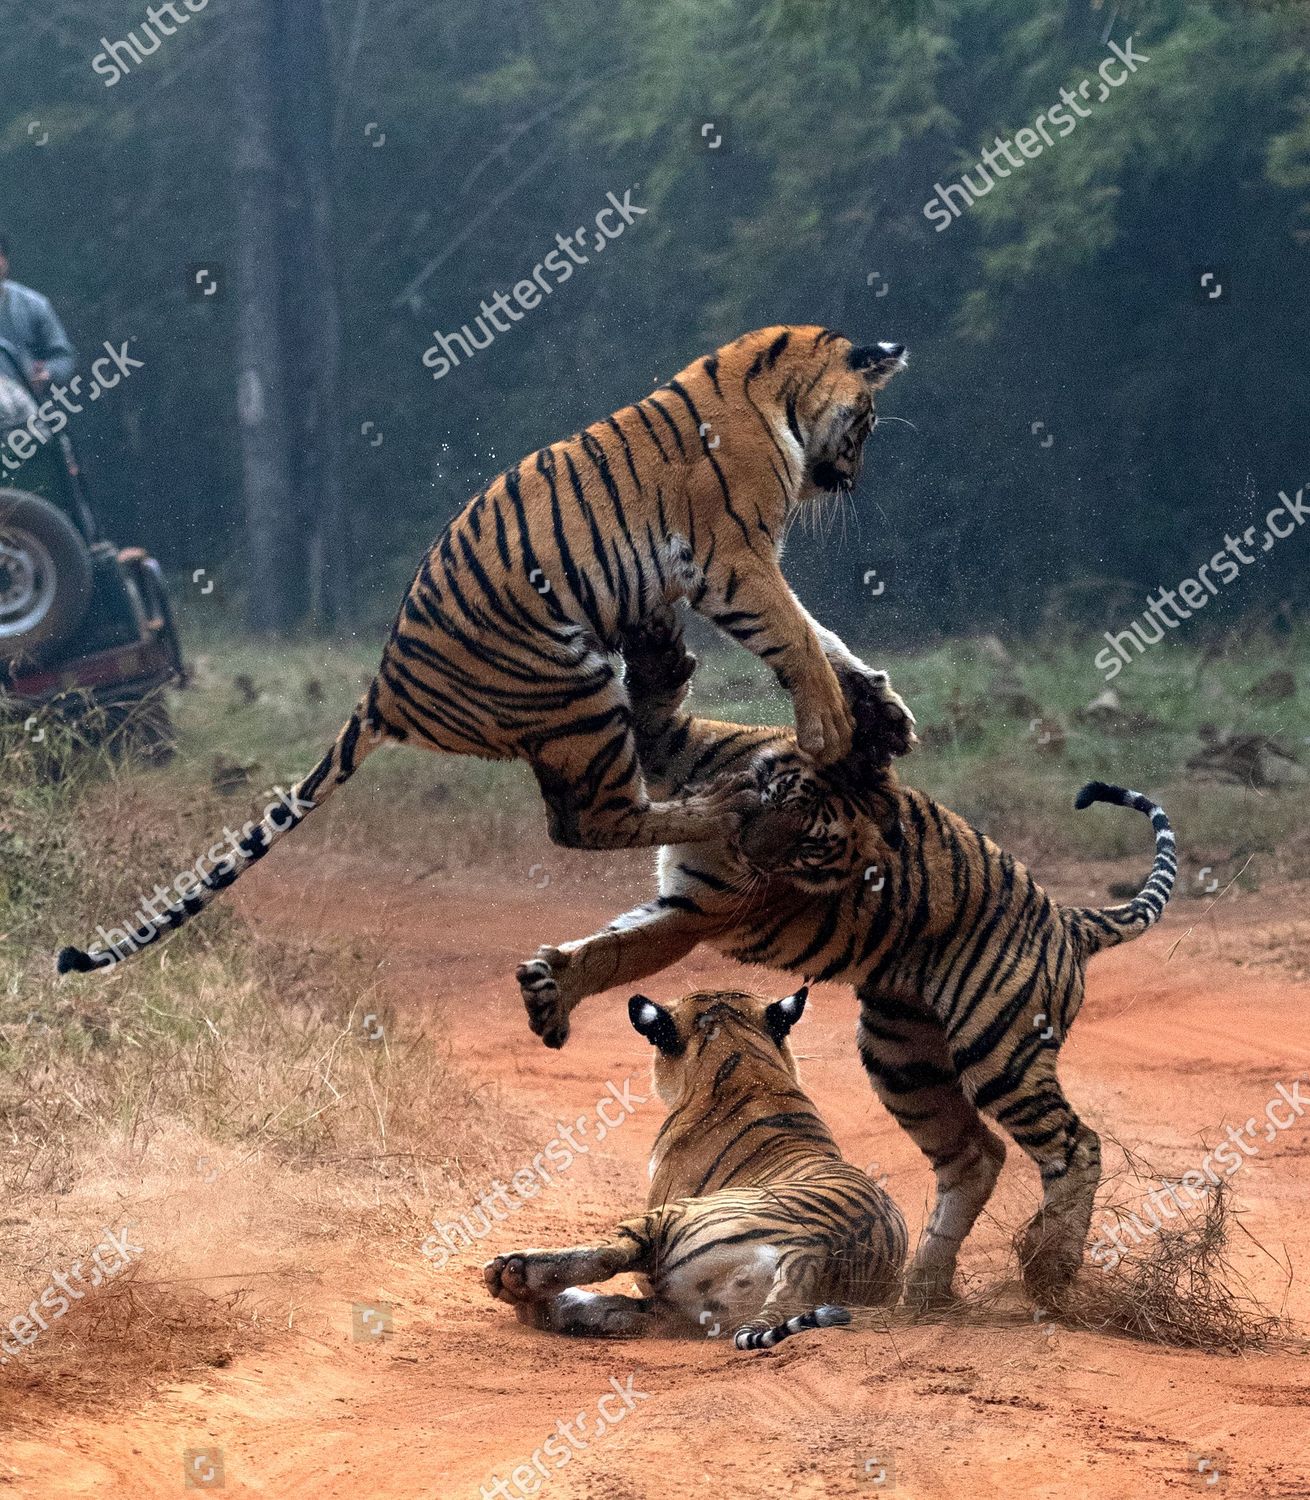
x: 1066, y: 295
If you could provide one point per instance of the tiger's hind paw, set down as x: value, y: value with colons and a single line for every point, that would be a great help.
x: 526, y: 1276
x: 929, y: 1294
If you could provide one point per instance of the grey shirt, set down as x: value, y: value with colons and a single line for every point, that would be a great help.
x: 29, y: 323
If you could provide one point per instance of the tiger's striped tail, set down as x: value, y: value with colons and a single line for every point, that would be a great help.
x: 765, y: 1338
x: 359, y: 737
x: 1104, y: 927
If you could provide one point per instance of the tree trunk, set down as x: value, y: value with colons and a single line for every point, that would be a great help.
x: 273, y: 599
x: 313, y: 310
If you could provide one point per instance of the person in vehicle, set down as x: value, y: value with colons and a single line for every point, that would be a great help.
x: 30, y: 324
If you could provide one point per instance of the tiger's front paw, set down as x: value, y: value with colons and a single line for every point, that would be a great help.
x: 824, y: 724
x: 545, y: 1000
x: 728, y: 797
x: 657, y: 660
x: 883, y: 721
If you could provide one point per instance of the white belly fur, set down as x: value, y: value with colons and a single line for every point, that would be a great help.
x: 720, y: 1291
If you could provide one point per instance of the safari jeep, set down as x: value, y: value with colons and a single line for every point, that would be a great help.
x: 86, y: 629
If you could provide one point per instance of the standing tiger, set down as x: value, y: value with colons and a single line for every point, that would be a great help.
x: 755, y: 1224
x: 969, y: 976
x: 502, y: 646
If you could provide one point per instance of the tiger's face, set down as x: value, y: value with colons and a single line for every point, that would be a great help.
x: 836, y: 413
x: 695, y: 1037
x: 802, y: 829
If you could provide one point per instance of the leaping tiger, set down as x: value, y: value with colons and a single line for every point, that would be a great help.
x: 756, y: 1227
x: 502, y: 646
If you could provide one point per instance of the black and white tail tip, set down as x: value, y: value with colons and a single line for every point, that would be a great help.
x: 1145, y: 908
x: 361, y: 734
x: 78, y: 961
x: 766, y: 1338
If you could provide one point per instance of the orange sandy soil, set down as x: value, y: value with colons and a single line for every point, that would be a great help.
x: 1183, y: 1032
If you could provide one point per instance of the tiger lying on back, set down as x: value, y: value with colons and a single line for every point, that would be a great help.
x: 755, y: 1222
x: 501, y: 646
x: 968, y: 975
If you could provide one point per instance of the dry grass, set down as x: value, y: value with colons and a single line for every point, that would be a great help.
x: 1173, y: 1276
x: 1178, y: 1287
x: 1181, y: 1288
x: 140, y: 1329
x: 249, y: 1104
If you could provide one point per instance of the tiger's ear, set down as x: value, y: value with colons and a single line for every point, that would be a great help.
x: 782, y: 1015
x: 878, y: 362
x: 655, y: 1024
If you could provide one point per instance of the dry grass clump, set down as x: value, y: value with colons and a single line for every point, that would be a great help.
x: 138, y: 1329
x: 1178, y: 1285
x: 1181, y: 1287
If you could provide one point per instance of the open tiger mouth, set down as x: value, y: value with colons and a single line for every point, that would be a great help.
x: 835, y: 479
x: 838, y: 474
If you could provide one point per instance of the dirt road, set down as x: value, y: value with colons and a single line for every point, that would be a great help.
x: 459, y: 1397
